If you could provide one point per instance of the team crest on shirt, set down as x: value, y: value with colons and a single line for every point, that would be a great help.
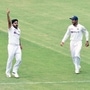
x: 77, y: 28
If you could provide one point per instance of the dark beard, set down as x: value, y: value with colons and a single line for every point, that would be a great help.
x: 75, y: 24
x: 15, y: 26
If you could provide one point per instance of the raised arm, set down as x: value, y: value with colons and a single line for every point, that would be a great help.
x: 8, y: 19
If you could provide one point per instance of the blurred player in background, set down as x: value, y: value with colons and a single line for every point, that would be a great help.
x: 75, y: 31
x: 14, y: 47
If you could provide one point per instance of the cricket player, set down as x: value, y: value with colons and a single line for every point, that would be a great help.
x: 14, y: 47
x: 75, y: 31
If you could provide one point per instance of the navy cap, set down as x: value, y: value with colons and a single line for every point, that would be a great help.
x: 74, y: 18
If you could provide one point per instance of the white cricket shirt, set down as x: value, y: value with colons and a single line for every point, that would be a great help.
x: 76, y: 33
x: 14, y: 36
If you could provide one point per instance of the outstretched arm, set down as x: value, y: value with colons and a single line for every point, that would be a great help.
x: 8, y: 19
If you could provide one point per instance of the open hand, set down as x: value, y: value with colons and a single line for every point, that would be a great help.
x: 8, y: 11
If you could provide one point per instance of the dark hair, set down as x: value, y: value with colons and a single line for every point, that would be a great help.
x: 13, y: 20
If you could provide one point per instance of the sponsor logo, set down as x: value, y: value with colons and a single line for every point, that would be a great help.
x: 74, y: 31
x: 16, y: 33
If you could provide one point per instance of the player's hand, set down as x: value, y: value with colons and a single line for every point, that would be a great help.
x: 62, y: 43
x: 87, y: 43
x: 8, y: 11
x: 21, y: 47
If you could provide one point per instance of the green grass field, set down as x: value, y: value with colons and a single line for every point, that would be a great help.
x: 45, y: 65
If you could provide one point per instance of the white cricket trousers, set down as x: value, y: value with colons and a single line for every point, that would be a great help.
x: 75, y: 48
x: 14, y: 51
